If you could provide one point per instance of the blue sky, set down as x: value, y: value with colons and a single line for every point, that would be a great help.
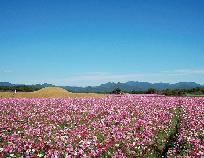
x: 77, y: 42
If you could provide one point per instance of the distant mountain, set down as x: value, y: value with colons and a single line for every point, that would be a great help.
x: 34, y: 85
x: 43, y: 85
x: 186, y: 85
x: 5, y: 84
x: 110, y: 86
x: 133, y: 85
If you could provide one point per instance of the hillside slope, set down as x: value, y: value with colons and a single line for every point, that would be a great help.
x: 48, y: 92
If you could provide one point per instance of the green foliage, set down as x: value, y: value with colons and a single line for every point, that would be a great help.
x: 151, y: 91
x: 198, y: 91
x: 100, y: 137
x: 22, y: 88
x: 173, y: 92
x: 117, y: 91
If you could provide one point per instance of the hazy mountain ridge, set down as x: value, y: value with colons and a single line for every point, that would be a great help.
x: 110, y: 86
x: 133, y: 85
x: 35, y: 85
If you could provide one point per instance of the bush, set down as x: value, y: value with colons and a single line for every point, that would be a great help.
x: 117, y: 91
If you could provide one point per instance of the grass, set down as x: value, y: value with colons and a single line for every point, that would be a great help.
x: 194, y: 95
x: 49, y: 92
x: 166, y: 139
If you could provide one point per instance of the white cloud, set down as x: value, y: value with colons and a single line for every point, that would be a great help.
x: 100, y: 76
x: 96, y: 78
x: 5, y: 71
x: 183, y: 72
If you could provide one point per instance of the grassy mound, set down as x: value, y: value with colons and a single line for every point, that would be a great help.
x: 48, y: 92
x: 51, y: 92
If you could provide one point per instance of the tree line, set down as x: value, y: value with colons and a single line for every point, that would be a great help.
x: 20, y: 88
x: 167, y: 92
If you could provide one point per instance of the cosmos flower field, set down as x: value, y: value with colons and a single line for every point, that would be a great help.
x: 126, y: 126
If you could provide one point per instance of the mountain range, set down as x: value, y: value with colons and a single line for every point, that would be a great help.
x: 34, y: 85
x: 133, y: 85
x: 110, y: 86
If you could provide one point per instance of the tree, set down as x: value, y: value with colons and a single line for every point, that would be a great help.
x: 117, y: 91
x: 151, y: 91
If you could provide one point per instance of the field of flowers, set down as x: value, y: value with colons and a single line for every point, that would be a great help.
x: 126, y: 126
